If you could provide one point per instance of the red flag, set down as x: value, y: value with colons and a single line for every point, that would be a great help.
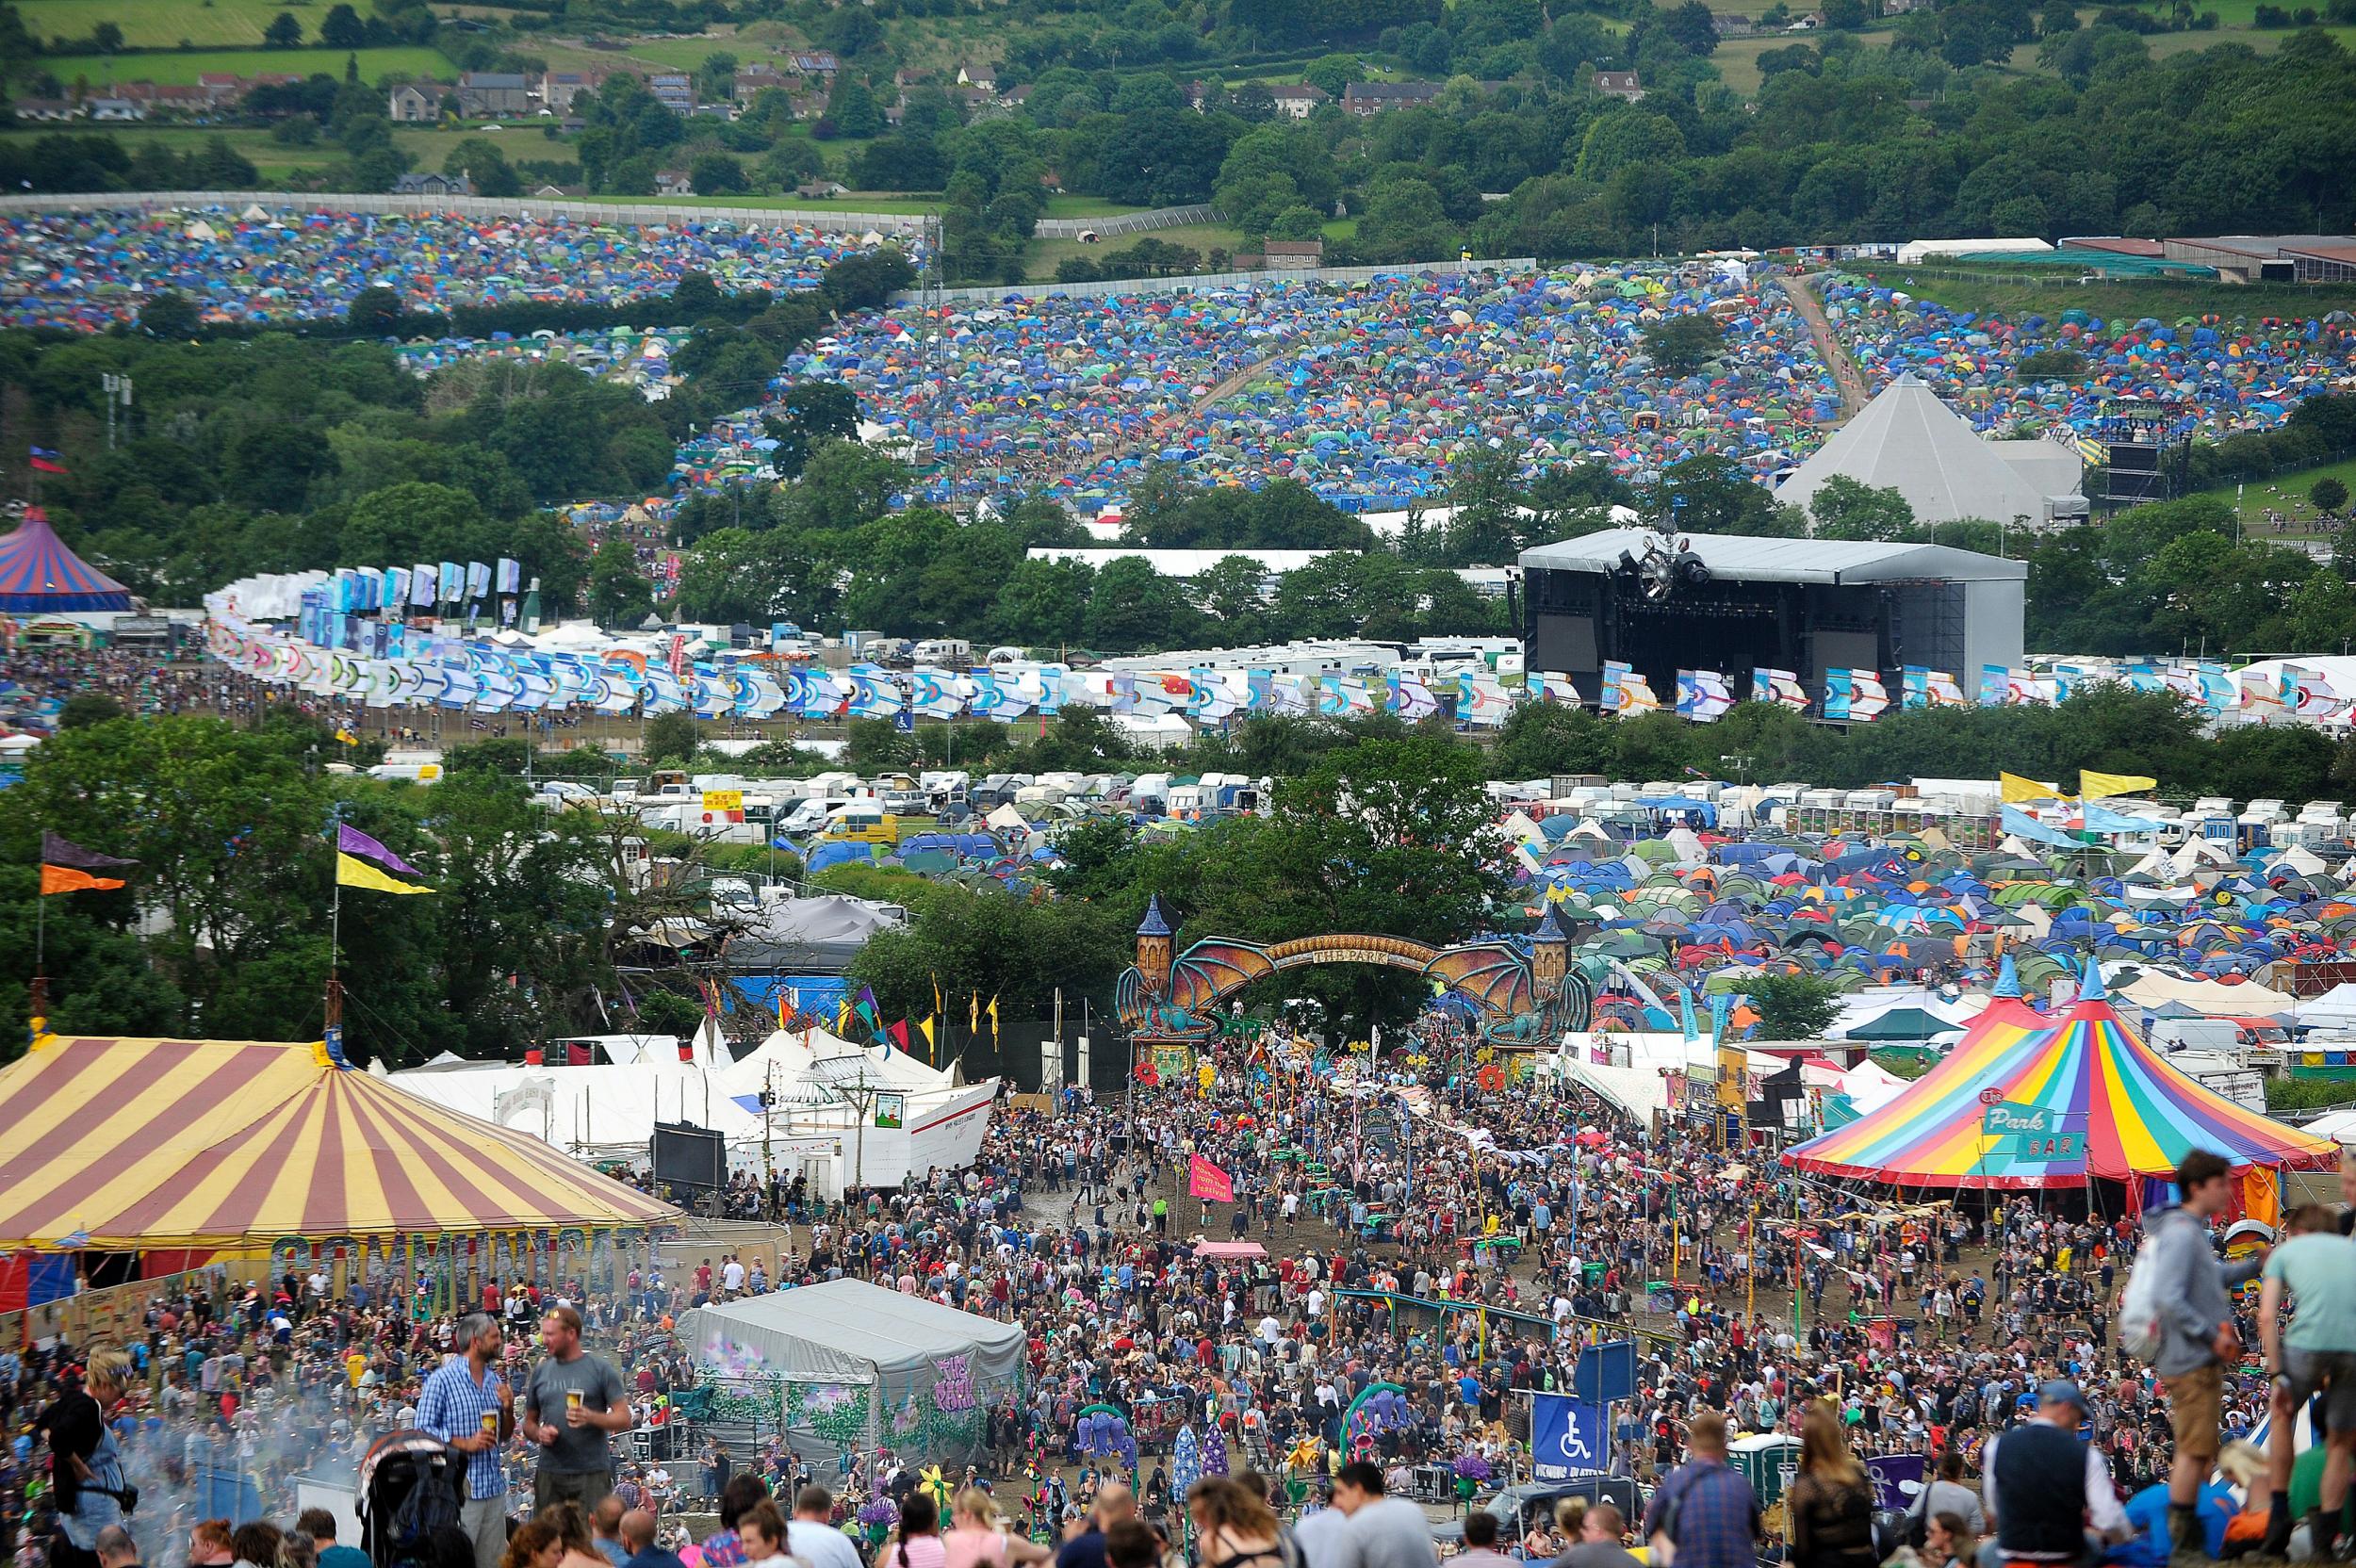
x: 899, y: 1033
x: 43, y: 466
x: 1205, y: 1180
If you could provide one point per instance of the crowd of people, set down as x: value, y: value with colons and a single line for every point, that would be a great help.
x: 1417, y: 1232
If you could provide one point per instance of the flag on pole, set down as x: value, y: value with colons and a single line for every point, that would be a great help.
x: 351, y: 841
x: 937, y: 1008
x: 928, y: 1026
x: 46, y: 462
x: 899, y: 1033
x: 973, y: 1013
x: 2092, y: 785
x: 66, y: 867
x: 2018, y: 791
x: 351, y: 872
x: 1205, y: 1180
x: 65, y: 879
x: 993, y: 1021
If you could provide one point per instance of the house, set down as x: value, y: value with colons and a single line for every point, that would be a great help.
x: 558, y: 88
x: 673, y: 181
x: 1730, y: 25
x: 416, y: 102
x: 494, y: 95
x: 1293, y: 255
x: 221, y: 87
x: 1370, y: 98
x: 1621, y: 85
x: 673, y: 90
x: 816, y: 62
x: 432, y: 184
x: 44, y: 109
x: 980, y: 73
x: 753, y: 80
x: 116, y: 110
x: 1298, y: 101
x: 167, y: 98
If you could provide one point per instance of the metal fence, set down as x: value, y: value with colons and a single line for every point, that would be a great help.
x: 644, y: 213
x: 1125, y: 222
x: 1203, y: 282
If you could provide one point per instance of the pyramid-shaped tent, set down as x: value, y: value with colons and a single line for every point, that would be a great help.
x: 1906, y: 440
x: 39, y: 575
x: 2105, y: 1106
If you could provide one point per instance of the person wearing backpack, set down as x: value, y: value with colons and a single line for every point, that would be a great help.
x: 2195, y: 1332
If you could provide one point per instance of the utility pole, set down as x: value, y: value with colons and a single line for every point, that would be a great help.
x: 115, y: 387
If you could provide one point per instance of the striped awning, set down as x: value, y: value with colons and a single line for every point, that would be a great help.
x: 39, y: 575
x: 154, y: 1143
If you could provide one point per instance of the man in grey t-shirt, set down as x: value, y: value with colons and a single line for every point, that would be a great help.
x: 571, y: 1402
x: 1382, y: 1533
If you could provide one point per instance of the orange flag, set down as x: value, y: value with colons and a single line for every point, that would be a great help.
x: 65, y: 879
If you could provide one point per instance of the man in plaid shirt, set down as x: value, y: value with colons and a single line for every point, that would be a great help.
x: 1706, y: 1508
x: 468, y: 1405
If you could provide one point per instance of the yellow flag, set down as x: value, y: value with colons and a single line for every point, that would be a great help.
x: 973, y: 1013
x: 937, y: 1008
x: 925, y: 1026
x: 2018, y: 789
x: 2093, y: 786
x: 993, y: 1021
x: 354, y: 872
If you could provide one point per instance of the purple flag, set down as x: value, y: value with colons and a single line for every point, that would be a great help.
x: 352, y: 842
x: 56, y: 850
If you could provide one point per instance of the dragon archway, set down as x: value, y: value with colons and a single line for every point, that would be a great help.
x: 1527, y: 1000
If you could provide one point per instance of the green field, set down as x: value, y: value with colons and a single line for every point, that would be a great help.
x: 1737, y: 59
x: 1964, y: 290
x: 279, y: 165
x: 162, y: 23
x: 175, y: 69
x: 2285, y: 493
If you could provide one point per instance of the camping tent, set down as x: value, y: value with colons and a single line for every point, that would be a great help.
x: 2092, y: 1100
x: 819, y: 935
x: 849, y: 1364
x: 39, y: 576
x: 137, y: 1144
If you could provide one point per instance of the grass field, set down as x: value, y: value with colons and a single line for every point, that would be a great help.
x: 2130, y: 301
x: 181, y: 69
x: 278, y: 164
x: 2285, y: 493
x: 1046, y: 255
x: 1737, y: 60
x: 162, y: 23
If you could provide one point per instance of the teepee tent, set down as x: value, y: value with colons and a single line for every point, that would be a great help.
x: 2086, y: 1100
x: 1906, y: 440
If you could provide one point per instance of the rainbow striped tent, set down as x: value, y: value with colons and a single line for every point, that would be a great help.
x: 39, y: 576
x: 2084, y: 1100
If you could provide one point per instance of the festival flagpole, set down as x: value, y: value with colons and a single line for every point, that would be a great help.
x: 333, y: 1031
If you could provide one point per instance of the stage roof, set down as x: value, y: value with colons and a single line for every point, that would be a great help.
x: 156, y: 1143
x: 1739, y: 557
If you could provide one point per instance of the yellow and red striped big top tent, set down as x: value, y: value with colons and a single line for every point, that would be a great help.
x: 2104, y: 1106
x: 135, y: 1144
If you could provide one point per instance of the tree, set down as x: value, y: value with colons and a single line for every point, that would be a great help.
x: 672, y: 738
x: 479, y: 160
x: 1132, y: 607
x: 84, y: 709
x: 283, y: 31
x: 812, y: 411
x: 716, y: 175
x: 375, y: 313
x: 169, y: 314
x: 342, y: 28
x: 1850, y: 509
x: 2328, y: 494
x: 1680, y: 345
x: 1792, y: 1006
x: 617, y: 594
